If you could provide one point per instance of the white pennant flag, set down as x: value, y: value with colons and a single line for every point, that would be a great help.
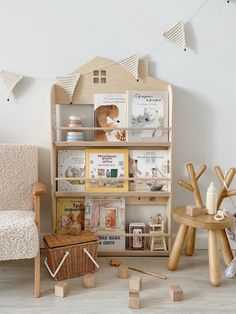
x: 176, y: 34
x: 68, y: 83
x: 10, y: 80
x: 130, y: 64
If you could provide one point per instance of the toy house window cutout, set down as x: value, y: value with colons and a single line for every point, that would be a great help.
x: 99, y: 76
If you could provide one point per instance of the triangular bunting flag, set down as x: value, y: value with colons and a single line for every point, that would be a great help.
x: 130, y: 64
x: 68, y: 83
x: 176, y: 34
x: 10, y: 80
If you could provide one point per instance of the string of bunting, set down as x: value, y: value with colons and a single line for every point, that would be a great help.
x: 175, y: 34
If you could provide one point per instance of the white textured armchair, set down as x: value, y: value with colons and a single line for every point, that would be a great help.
x: 20, y: 205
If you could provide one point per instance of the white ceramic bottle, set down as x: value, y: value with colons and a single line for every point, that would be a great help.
x: 211, y: 200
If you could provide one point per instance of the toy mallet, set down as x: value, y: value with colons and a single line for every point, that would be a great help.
x: 117, y: 262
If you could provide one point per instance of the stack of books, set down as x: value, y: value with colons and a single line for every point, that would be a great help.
x: 74, y: 135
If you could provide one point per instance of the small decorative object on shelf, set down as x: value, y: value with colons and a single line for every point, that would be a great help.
x: 137, y: 242
x: 74, y: 134
x: 157, y: 242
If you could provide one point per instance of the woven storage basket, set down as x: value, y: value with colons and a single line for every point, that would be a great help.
x: 77, y: 262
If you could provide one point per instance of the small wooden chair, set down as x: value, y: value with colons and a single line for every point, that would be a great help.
x: 20, y: 205
x: 157, y: 242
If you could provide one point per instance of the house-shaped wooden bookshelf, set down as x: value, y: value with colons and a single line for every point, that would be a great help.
x: 102, y: 76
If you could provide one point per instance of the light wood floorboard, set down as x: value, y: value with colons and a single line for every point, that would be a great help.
x: 111, y: 293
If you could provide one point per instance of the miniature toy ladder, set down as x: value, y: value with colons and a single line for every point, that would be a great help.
x: 157, y: 241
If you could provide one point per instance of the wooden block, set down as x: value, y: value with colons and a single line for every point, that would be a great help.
x: 176, y: 293
x: 89, y: 281
x: 75, y: 229
x: 193, y: 210
x: 134, y: 299
x: 122, y: 271
x: 135, y: 283
x: 61, y: 289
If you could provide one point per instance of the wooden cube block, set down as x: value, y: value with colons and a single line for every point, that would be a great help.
x: 134, y: 299
x: 193, y: 210
x: 75, y: 229
x: 61, y: 289
x: 122, y: 271
x: 135, y: 283
x: 176, y: 293
x: 89, y: 281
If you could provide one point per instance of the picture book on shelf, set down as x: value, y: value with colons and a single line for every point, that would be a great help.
x: 69, y: 211
x: 110, y: 112
x: 151, y: 166
x: 107, y: 215
x: 137, y: 242
x: 147, y: 109
x: 71, y: 164
x: 105, y: 168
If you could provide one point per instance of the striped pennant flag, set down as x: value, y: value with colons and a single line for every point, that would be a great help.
x: 176, y: 34
x: 130, y: 64
x: 68, y: 83
x: 10, y: 80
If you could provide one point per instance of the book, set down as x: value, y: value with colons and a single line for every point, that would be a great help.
x: 147, y: 109
x: 106, y: 215
x: 137, y: 242
x: 110, y: 111
x: 71, y: 164
x: 69, y: 211
x: 105, y: 168
x: 152, y: 166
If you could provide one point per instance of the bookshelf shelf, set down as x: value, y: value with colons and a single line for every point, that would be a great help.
x: 118, y: 81
x: 139, y: 145
x: 127, y: 194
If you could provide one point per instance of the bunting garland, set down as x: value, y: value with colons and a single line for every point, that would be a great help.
x: 130, y: 64
x: 68, y: 83
x: 176, y: 34
x: 10, y: 80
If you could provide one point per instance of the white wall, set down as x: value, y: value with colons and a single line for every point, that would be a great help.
x: 45, y: 38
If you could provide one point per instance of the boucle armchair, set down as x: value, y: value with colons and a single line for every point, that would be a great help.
x: 20, y: 205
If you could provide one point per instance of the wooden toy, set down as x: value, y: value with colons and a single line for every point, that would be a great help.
x: 193, y: 210
x: 89, y: 281
x: 61, y: 289
x: 117, y: 262
x: 176, y: 293
x: 134, y: 299
x: 122, y: 271
x: 157, y: 242
x: 75, y: 229
x: 135, y: 283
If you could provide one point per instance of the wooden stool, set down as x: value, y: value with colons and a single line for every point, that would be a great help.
x: 215, y: 228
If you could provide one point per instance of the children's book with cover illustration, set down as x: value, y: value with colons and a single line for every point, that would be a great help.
x: 71, y: 164
x: 147, y: 109
x: 137, y: 242
x: 110, y: 112
x: 106, y: 169
x: 151, y: 166
x: 106, y: 215
x: 69, y: 211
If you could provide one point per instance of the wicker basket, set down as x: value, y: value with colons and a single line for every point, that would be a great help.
x: 68, y: 256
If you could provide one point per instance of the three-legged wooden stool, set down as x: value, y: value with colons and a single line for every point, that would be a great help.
x: 215, y: 228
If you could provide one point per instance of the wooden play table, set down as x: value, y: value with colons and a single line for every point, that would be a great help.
x: 215, y: 229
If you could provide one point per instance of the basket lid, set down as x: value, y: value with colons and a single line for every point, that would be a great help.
x: 58, y: 240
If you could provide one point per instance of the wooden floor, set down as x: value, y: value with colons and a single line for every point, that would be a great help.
x: 111, y: 293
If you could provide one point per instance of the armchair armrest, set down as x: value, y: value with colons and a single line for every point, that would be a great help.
x: 39, y: 189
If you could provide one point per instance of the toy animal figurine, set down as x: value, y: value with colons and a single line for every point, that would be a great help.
x: 157, y: 219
